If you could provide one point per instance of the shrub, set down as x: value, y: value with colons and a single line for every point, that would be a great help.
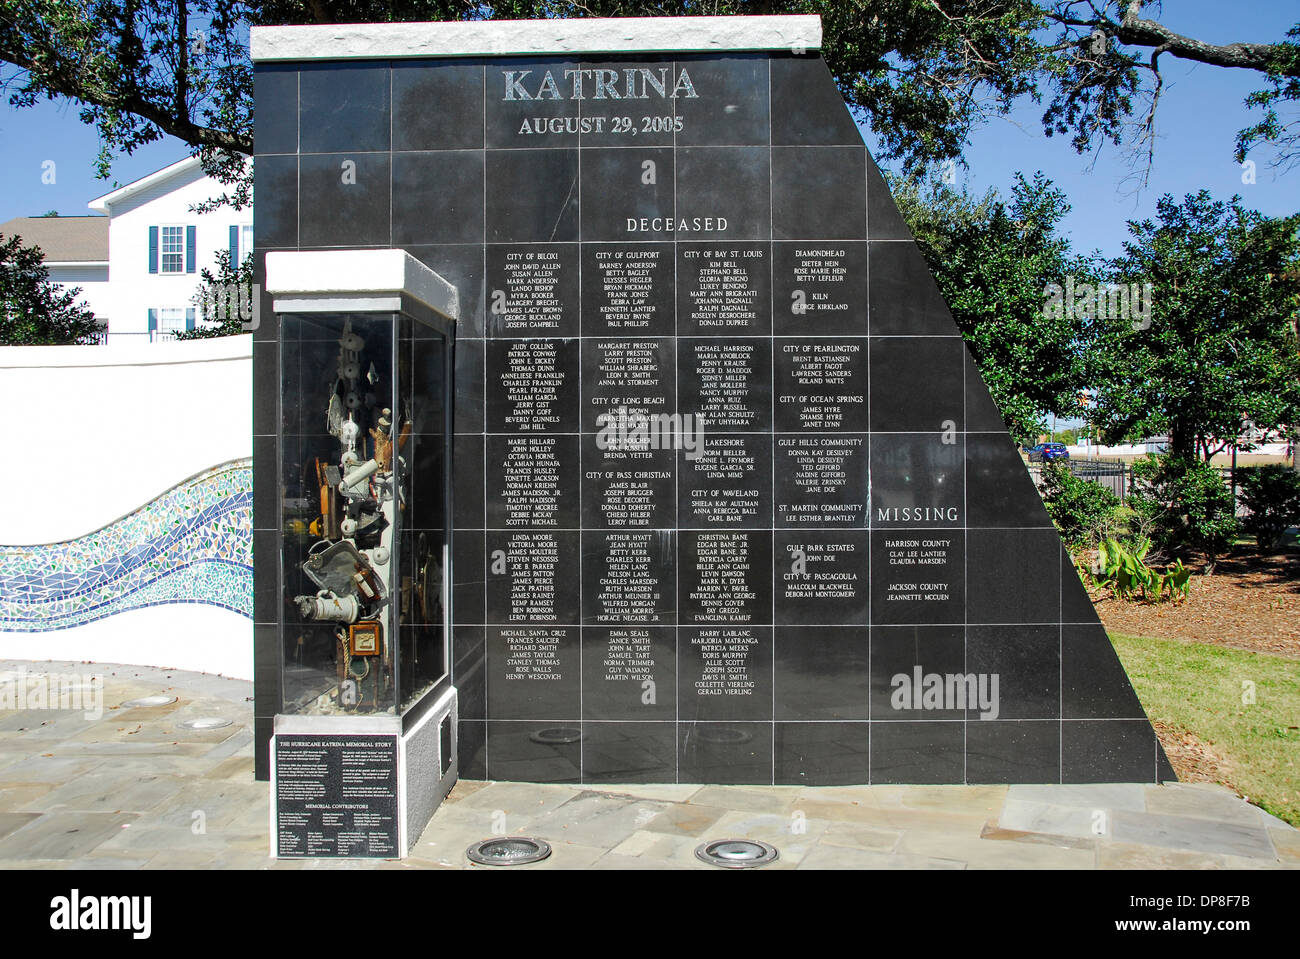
x: 1185, y: 504
x: 1083, y: 511
x: 33, y: 310
x: 1123, y: 568
x: 1272, y: 493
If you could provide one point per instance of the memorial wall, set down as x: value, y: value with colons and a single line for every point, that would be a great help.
x: 731, y: 503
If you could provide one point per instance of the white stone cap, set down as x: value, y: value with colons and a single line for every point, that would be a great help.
x: 123, y: 351
x: 298, y: 724
x: 340, y: 280
x: 497, y: 38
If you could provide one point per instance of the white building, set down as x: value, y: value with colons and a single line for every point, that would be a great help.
x: 139, y: 261
x: 76, y: 252
x: 157, y: 248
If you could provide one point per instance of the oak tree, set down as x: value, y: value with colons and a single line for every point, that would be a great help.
x: 923, y: 73
x: 1219, y: 351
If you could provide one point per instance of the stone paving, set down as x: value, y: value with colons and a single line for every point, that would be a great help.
x: 132, y: 789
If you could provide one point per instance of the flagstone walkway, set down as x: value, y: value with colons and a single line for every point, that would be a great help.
x: 133, y: 789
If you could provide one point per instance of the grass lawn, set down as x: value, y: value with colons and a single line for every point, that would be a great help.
x: 1199, y: 688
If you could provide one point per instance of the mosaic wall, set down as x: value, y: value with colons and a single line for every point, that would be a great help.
x: 192, y: 544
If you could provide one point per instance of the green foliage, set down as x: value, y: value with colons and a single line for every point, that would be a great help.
x: 33, y: 311
x: 138, y: 70
x: 1185, y: 504
x: 992, y: 260
x: 1272, y: 493
x: 1283, y: 87
x: 1082, y: 510
x: 1221, y: 345
x: 224, y: 300
x: 1177, y: 580
x: 1122, y: 568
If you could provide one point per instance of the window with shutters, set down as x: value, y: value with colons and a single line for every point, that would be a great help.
x: 171, y: 319
x: 241, y: 243
x: 172, y: 249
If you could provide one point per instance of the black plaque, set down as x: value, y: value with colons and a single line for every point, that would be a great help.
x: 628, y: 289
x: 729, y: 487
x: 723, y: 289
x: 336, y: 797
x: 821, y: 288
x: 532, y: 290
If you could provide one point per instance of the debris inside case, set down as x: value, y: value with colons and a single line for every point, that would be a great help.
x: 351, y: 535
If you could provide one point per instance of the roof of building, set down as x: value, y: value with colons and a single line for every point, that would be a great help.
x: 63, y: 239
x: 102, y: 204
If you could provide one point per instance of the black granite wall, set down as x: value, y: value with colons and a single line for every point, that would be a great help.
x: 857, y: 538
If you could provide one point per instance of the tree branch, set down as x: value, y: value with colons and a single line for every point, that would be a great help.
x: 1136, y: 31
x: 183, y: 49
x: 77, y: 89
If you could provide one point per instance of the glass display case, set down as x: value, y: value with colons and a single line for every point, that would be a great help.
x: 365, y: 401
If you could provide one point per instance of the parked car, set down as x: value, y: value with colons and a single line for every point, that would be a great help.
x: 1048, y: 451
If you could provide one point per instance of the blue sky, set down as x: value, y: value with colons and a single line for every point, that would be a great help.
x: 1200, y: 112
x: 1201, y: 109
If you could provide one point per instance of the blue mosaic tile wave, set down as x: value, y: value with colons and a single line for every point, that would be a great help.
x: 193, y: 544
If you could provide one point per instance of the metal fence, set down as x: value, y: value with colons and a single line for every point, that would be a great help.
x: 1117, y: 476
x: 154, y: 336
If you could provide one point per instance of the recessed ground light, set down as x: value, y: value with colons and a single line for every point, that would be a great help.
x: 207, y: 722
x: 150, y: 701
x: 722, y: 735
x: 736, y: 853
x: 557, y: 735
x: 508, y: 851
